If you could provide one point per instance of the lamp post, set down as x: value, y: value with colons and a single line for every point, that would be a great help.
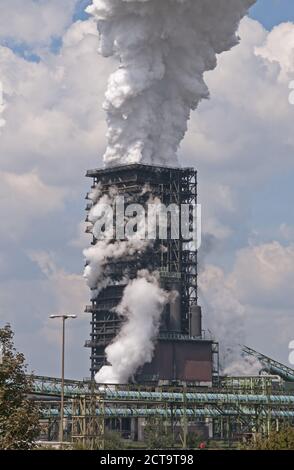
x: 64, y: 318
x: 1, y: 354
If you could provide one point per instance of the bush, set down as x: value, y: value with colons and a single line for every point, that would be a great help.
x: 277, y: 440
x: 19, y: 420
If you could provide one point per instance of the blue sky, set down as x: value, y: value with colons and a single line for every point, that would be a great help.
x: 268, y: 12
x: 273, y: 12
x: 241, y: 141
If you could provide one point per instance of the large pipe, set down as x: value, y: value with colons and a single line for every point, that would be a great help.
x: 214, y: 412
x: 175, y: 309
x: 196, y: 321
x: 200, y: 397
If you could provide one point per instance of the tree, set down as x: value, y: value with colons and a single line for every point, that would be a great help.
x: 18, y: 415
x: 277, y: 440
x: 157, y: 436
x: 113, y: 441
x: 194, y: 440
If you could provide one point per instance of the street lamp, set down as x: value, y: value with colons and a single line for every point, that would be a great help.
x: 1, y: 353
x: 64, y: 318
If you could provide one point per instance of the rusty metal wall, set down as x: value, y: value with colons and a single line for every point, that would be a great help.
x: 189, y: 361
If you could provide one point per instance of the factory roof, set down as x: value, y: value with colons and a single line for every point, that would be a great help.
x: 137, y: 167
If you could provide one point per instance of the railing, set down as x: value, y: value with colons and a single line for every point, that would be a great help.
x: 52, y: 386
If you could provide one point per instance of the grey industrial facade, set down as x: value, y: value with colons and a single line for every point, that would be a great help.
x: 181, y: 353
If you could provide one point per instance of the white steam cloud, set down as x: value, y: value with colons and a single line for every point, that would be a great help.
x: 141, y: 308
x: 143, y: 299
x: 243, y: 366
x: 108, y: 249
x: 163, y: 48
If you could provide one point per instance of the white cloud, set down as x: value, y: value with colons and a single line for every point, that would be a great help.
x: 245, y: 131
x: 34, y: 22
x: 67, y: 294
x: 25, y: 198
x: 264, y: 275
x: 241, y: 138
x: 69, y: 289
x: 253, y: 301
x: 223, y: 313
x: 27, y: 304
x: 287, y: 231
x: 219, y: 205
x: 54, y: 113
x: 279, y: 48
x: 55, y: 119
x: 2, y: 107
x: 82, y: 239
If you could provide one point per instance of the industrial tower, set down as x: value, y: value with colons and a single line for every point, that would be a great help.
x: 182, y: 353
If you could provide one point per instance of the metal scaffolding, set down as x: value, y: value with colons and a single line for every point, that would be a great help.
x: 88, y: 421
x: 170, y: 257
x: 242, y: 406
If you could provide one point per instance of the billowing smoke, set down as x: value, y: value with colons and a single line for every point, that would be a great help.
x: 106, y: 248
x: 143, y: 299
x: 243, y: 365
x: 163, y: 48
x: 141, y: 308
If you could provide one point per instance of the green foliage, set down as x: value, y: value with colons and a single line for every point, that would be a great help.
x: 193, y: 440
x: 157, y: 436
x: 277, y: 440
x: 18, y: 415
x: 113, y: 441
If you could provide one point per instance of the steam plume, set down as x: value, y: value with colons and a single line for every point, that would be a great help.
x: 107, y: 249
x: 141, y: 307
x: 163, y: 48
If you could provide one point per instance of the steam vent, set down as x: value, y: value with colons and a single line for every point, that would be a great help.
x: 182, y: 353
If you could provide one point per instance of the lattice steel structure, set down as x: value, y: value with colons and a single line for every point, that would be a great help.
x: 242, y: 406
x: 173, y: 258
x: 271, y: 366
x: 88, y: 421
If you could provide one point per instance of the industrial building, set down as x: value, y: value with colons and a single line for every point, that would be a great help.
x: 237, y: 409
x: 181, y: 386
x: 183, y: 353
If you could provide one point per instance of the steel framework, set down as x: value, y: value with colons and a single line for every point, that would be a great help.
x: 169, y: 257
x: 88, y: 421
x: 270, y: 365
x: 243, y: 406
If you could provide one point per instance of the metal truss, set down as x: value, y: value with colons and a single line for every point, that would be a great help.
x: 235, y: 410
x: 173, y: 256
x: 270, y: 365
